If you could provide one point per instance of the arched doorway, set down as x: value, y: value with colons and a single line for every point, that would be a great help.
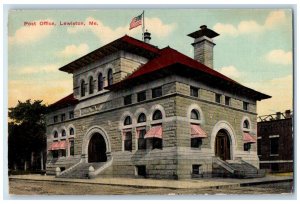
x: 222, y: 145
x: 97, y: 149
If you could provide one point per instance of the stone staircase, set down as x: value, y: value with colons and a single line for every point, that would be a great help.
x: 236, y: 169
x: 81, y: 171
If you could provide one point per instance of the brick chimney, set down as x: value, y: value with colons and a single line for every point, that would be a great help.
x: 204, y: 45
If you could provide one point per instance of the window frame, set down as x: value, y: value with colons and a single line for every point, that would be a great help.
x: 144, y: 98
x: 91, y: 85
x: 82, y: 88
x: 157, y: 92
x: 110, y: 77
x: 245, y: 106
x: 218, y: 98
x: 194, y: 91
x: 155, y: 113
x: 100, y: 82
x: 62, y: 117
x: 127, y: 100
x: 143, y: 121
x: 227, y: 101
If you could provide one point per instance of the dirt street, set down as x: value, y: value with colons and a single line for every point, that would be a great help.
x: 21, y: 187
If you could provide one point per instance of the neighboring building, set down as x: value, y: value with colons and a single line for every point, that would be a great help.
x: 138, y: 110
x: 275, y: 142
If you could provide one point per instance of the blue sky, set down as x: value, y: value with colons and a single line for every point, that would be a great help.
x: 254, y: 47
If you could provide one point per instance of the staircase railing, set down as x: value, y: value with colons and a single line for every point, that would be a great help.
x: 71, y: 168
x: 223, y: 164
x: 99, y: 170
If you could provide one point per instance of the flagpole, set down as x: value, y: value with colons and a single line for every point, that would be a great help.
x: 143, y: 28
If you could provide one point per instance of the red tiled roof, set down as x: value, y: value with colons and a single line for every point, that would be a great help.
x: 124, y: 43
x: 68, y: 100
x: 169, y: 57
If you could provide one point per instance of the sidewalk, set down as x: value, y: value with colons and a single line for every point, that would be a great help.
x: 152, y: 183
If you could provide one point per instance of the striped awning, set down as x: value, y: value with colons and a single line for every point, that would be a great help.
x: 58, y: 145
x: 197, y: 131
x: 155, y: 131
x: 248, y: 138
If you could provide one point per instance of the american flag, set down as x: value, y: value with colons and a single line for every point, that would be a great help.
x: 136, y: 21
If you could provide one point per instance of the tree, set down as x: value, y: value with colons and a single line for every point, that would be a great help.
x: 26, y: 132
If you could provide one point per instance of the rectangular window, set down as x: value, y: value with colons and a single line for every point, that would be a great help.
x: 63, y: 152
x: 196, y: 169
x: 141, y: 170
x: 71, y: 114
x: 127, y: 100
x: 218, y: 98
x: 63, y: 117
x: 55, y: 119
x: 55, y: 153
x: 227, y: 101
x: 141, y: 96
x: 274, y: 145
x: 157, y: 143
x: 247, y: 146
x: 245, y: 106
x: 156, y: 92
x: 259, y: 146
x: 72, y: 147
x: 142, y: 140
x: 128, y: 141
x: 194, y: 91
x: 196, y: 142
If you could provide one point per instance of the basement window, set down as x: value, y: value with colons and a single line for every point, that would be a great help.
x: 141, y: 170
x: 196, y: 169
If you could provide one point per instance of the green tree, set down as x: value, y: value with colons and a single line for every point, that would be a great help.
x: 26, y: 131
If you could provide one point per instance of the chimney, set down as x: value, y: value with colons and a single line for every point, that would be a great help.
x: 288, y: 114
x: 204, y: 45
x: 278, y: 115
x: 147, y: 37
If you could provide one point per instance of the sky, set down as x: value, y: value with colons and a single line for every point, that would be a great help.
x: 255, y: 47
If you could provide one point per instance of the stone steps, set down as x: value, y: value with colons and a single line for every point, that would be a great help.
x: 81, y: 171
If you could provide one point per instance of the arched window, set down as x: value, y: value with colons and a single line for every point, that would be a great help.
x: 100, y: 82
x: 195, y: 115
x: 246, y: 124
x: 71, y: 131
x: 157, y: 115
x: 128, y: 121
x: 142, y: 118
x: 63, y: 133
x: 82, y: 88
x: 109, y: 77
x: 91, y: 85
x: 55, y: 134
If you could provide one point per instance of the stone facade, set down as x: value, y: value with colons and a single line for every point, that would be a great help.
x: 104, y: 112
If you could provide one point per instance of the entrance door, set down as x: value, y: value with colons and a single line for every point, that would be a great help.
x: 97, y: 149
x: 222, y: 145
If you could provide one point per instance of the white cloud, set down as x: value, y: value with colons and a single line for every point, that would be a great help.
x: 38, y: 69
x: 107, y: 34
x: 73, y: 50
x: 48, y: 91
x: 30, y: 34
x: 230, y: 71
x: 275, y: 18
x: 279, y: 57
x: 281, y: 90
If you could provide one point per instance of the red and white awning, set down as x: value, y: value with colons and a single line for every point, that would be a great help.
x: 155, y: 131
x: 58, y: 145
x: 248, y: 138
x: 197, y: 131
